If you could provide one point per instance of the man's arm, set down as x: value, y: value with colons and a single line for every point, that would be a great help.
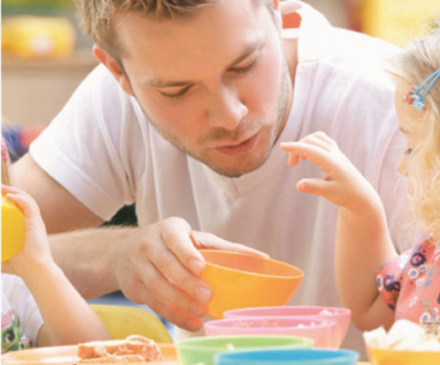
x: 157, y: 265
x: 78, y: 251
x: 145, y: 264
x: 60, y: 210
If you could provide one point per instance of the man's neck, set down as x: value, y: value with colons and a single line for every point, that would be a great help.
x: 290, y: 50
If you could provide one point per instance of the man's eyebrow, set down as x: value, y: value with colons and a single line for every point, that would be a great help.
x: 159, y: 83
x: 249, y: 49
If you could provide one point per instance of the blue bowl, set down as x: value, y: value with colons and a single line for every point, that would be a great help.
x: 288, y: 357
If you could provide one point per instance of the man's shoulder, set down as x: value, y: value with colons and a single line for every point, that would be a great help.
x: 345, y: 49
x: 101, y: 80
x: 356, y: 48
x: 354, y: 61
x: 101, y: 96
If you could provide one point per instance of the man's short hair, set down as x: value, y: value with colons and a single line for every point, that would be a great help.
x: 96, y: 16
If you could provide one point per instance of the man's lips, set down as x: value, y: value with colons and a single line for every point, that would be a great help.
x: 240, y: 148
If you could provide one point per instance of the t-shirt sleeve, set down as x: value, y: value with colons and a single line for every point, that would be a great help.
x: 389, y: 279
x: 85, y: 147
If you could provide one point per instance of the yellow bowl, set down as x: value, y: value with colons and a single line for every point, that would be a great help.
x: 244, y: 281
x: 12, y: 229
x: 379, y: 356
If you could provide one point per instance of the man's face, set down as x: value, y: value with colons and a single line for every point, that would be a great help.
x: 214, y: 85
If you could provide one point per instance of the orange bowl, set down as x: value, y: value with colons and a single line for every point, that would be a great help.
x: 379, y: 356
x: 244, y: 281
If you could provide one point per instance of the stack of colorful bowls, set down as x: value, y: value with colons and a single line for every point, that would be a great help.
x: 252, y: 324
x: 339, y: 315
x: 288, y: 357
x: 321, y: 331
x: 201, y: 350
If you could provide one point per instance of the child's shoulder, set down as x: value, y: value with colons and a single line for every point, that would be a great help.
x: 9, y: 282
x: 13, y: 288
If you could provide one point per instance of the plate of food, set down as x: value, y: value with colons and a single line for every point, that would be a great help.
x: 134, y: 349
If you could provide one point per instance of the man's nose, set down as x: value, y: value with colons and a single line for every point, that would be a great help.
x: 225, y: 109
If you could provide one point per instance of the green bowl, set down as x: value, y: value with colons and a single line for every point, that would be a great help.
x: 201, y: 350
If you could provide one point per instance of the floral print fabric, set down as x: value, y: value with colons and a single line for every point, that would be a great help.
x: 410, y: 284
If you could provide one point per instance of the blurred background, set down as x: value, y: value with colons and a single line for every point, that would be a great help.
x: 45, y: 55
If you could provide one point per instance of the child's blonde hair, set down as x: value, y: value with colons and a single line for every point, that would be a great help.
x: 416, y: 64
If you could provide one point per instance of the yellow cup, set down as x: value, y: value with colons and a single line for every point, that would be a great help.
x: 12, y: 229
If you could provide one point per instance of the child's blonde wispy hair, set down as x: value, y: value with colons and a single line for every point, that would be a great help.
x: 420, y: 60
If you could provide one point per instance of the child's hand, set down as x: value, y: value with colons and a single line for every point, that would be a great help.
x: 342, y: 183
x: 36, y: 249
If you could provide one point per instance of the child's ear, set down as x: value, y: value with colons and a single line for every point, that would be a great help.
x: 113, y: 66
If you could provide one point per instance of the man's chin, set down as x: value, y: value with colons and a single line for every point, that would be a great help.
x: 239, y: 168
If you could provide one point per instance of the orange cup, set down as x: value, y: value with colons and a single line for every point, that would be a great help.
x: 244, y: 281
x: 380, y: 356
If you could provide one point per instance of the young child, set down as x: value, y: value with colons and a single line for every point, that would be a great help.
x: 373, y: 281
x: 39, y: 305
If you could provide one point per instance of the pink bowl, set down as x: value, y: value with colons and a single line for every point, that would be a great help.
x: 340, y: 315
x: 321, y: 331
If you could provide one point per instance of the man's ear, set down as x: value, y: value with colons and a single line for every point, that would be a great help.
x: 114, y: 67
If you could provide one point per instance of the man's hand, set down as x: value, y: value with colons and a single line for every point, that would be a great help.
x: 160, y: 267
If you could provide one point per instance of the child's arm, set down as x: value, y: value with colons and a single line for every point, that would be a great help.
x: 67, y: 318
x: 363, y: 243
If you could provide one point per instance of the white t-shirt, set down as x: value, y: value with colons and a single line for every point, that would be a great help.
x: 21, y: 319
x: 102, y: 148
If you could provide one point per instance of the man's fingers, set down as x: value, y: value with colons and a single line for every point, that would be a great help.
x: 179, y: 261
x: 176, y: 316
x: 208, y: 240
x: 175, y: 234
x: 171, y: 312
x: 154, y: 287
x: 170, y: 266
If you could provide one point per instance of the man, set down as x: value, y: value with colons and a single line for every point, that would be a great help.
x: 184, y: 117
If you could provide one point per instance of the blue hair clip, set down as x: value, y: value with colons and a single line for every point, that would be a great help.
x: 414, y: 98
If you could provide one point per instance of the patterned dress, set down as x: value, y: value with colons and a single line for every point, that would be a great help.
x: 13, y: 338
x: 410, y: 284
x: 20, y: 318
